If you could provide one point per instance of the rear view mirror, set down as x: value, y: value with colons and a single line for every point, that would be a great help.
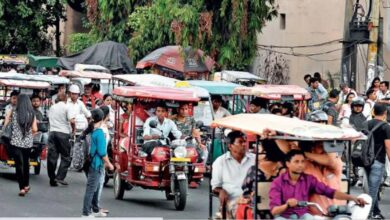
x: 153, y: 124
x: 199, y: 124
x: 334, y: 146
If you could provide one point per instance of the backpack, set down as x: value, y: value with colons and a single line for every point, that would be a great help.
x: 363, y: 152
x: 80, y: 153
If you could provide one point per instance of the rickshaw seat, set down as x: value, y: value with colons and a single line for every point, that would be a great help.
x: 262, y: 194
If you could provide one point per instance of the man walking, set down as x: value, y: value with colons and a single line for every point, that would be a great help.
x: 382, y: 150
x: 330, y: 107
x: 59, y: 144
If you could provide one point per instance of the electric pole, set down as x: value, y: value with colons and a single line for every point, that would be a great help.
x: 372, y: 59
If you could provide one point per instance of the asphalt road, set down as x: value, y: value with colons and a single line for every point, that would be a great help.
x: 66, y: 201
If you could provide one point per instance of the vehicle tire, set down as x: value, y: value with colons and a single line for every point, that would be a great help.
x: 181, y: 187
x: 37, y: 169
x: 168, y: 194
x: 119, y: 186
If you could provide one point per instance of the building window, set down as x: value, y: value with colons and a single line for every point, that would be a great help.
x: 282, y: 21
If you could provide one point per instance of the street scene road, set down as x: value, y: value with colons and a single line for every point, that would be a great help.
x: 67, y: 201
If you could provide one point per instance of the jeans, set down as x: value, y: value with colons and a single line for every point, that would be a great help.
x: 375, y: 174
x: 102, y: 177
x: 306, y: 216
x: 58, y: 144
x: 91, y: 197
x: 22, y: 165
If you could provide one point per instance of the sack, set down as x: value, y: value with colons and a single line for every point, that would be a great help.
x: 363, y: 152
x: 79, y: 155
x: 7, y: 132
x: 244, y: 211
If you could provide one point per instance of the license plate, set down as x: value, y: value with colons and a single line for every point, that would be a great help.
x: 181, y: 176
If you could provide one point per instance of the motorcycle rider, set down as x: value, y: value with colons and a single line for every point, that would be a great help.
x: 164, y: 127
x: 357, y: 118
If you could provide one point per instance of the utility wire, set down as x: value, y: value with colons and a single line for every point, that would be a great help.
x: 303, y: 46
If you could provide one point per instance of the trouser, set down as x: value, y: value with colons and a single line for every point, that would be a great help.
x: 101, y: 185
x: 91, y: 197
x: 375, y: 174
x: 149, y: 146
x: 58, y: 145
x: 22, y: 165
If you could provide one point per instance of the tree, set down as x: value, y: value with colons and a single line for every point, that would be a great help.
x: 24, y: 25
x: 226, y: 29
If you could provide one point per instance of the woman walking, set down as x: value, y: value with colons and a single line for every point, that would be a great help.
x: 99, y: 159
x: 23, y: 124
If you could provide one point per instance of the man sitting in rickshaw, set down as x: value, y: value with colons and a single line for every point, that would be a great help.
x: 258, y: 106
x: 229, y: 171
x: 165, y: 126
x: 13, y: 101
x: 219, y: 111
x: 125, y: 119
x: 42, y: 125
x: 294, y: 186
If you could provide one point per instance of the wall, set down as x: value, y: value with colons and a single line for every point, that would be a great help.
x: 307, y: 22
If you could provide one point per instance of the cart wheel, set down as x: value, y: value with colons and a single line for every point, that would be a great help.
x: 37, y: 169
x: 181, y: 187
x: 119, y: 186
x: 168, y: 194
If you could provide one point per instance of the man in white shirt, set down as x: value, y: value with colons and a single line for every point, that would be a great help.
x: 60, y: 90
x: 13, y: 101
x: 345, y: 90
x: 370, y: 102
x: 384, y: 93
x: 219, y: 111
x: 77, y: 110
x: 229, y: 171
x: 59, y: 144
x: 165, y: 126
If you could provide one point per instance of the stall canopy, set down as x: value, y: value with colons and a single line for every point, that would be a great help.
x: 42, y: 61
x: 109, y: 54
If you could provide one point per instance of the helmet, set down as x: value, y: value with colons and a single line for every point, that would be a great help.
x: 74, y: 89
x: 317, y: 116
x: 357, y: 102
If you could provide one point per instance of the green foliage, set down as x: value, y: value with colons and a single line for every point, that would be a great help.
x: 225, y: 29
x: 24, y: 25
x: 80, y: 41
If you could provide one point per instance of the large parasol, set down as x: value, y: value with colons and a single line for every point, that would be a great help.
x: 174, y: 58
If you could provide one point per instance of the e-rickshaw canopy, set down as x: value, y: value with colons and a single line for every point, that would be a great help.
x: 52, y: 79
x: 42, y: 61
x: 293, y: 127
x: 84, y: 74
x: 163, y: 81
x: 237, y: 76
x: 24, y: 84
x: 274, y: 92
x: 215, y: 88
x: 148, y: 92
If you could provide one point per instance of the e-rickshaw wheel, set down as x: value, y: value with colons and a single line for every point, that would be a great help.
x: 37, y: 168
x: 180, y: 194
x: 119, y: 186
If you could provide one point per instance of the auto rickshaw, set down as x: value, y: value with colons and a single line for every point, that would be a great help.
x: 38, y: 151
x: 239, y: 77
x: 334, y: 140
x: 225, y: 89
x: 169, y: 167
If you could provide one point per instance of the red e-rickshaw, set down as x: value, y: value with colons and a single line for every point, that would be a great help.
x: 170, y: 167
x: 38, y: 151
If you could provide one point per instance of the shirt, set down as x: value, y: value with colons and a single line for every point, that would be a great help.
x: 315, y: 102
x: 322, y: 92
x: 383, y: 96
x: 185, y: 126
x: 380, y: 135
x: 367, y: 110
x: 330, y: 109
x: 98, y: 148
x: 328, y: 176
x: 77, y: 108
x: 283, y: 189
x: 17, y: 137
x: 229, y: 174
x: 168, y: 126
x: 221, y: 113
x: 59, y: 118
x: 343, y: 96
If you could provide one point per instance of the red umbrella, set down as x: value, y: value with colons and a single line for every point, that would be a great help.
x: 173, y: 58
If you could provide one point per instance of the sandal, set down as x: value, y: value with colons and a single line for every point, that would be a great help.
x: 27, y: 188
x: 22, y: 193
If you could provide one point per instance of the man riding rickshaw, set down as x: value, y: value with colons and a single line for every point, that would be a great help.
x: 333, y: 140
